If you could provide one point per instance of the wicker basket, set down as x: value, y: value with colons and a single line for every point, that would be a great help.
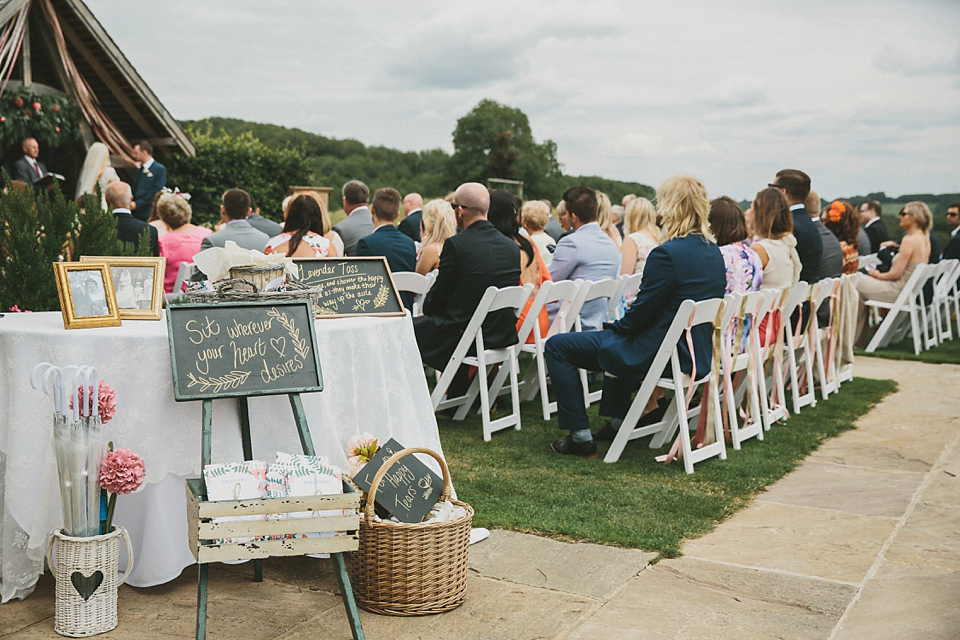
x: 414, y: 569
x: 86, y: 575
x: 258, y: 276
x: 243, y: 290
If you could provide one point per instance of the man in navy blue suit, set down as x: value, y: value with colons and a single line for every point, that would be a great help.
x: 952, y: 249
x: 151, y: 177
x: 388, y: 241
x: 795, y: 185
x: 687, y: 266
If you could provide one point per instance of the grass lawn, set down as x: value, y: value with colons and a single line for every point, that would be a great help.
x: 516, y: 482
x: 946, y: 353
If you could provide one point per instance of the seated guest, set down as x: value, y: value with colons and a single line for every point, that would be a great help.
x: 359, y: 220
x: 154, y: 220
x: 915, y: 220
x: 775, y: 244
x: 503, y: 216
x: 183, y: 240
x: 302, y: 231
x: 743, y: 266
x: 471, y: 261
x: 588, y: 253
x: 412, y: 212
x: 687, y: 266
x: 129, y: 229
x: 871, y: 215
x: 553, y: 228
x: 831, y: 260
x: 388, y: 241
x: 795, y: 185
x: 643, y: 234
x: 260, y: 223
x: 533, y: 218
x: 234, y: 209
x: 436, y: 225
x: 952, y: 250
x: 605, y: 219
x: 844, y: 222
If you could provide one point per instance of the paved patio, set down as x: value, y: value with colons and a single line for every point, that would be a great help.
x: 862, y: 540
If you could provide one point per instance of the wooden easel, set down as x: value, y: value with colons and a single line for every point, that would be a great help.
x: 306, y: 443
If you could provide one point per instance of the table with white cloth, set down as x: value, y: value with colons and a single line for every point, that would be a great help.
x: 372, y: 381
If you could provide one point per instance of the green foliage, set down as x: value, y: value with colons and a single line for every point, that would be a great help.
x: 34, y: 229
x: 53, y: 120
x: 227, y: 161
x: 495, y: 141
x: 516, y: 482
x: 614, y: 188
x: 97, y: 233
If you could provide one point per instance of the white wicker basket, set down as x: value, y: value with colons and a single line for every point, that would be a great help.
x: 86, y: 574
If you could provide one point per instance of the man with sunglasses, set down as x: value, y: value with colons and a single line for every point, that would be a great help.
x: 477, y: 258
x: 952, y: 250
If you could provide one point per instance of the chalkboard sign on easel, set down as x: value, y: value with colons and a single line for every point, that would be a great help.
x: 237, y: 350
x: 244, y: 349
x: 351, y: 286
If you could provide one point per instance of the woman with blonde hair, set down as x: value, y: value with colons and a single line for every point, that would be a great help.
x: 605, y: 219
x: 183, y: 240
x: 643, y: 234
x: 686, y: 266
x: 96, y: 171
x: 534, y: 216
x: 915, y: 220
x: 436, y: 225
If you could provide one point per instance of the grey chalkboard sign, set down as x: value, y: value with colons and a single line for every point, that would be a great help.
x: 352, y: 286
x: 236, y: 349
x: 409, y: 488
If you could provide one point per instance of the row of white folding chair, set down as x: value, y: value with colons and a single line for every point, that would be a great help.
x: 417, y: 284
x: 937, y: 327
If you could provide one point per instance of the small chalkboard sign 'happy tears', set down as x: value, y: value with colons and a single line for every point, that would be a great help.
x: 408, y: 490
x: 351, y: 286
x: 238, y: 349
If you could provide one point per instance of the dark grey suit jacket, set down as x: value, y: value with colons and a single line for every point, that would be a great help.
x: 358, y: 224
x: 239, y: 231
x: 24, y: 172
x: 831, y: 260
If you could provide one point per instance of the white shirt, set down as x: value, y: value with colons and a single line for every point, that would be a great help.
x: 953, y: 234
x: 870, y: 222
x: 33, y: 163
x: 146, y: 165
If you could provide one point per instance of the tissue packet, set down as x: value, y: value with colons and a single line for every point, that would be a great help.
x: 236, y: 481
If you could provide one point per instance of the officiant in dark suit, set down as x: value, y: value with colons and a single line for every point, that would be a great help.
x: 150, y: 178
x: 28, y: 169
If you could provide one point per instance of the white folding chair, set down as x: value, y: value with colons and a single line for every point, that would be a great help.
x: 183, y: 274
x: 415, y: 283
x: 566, y: 294
x: 823, y: 338
x: 627, y: 284
x: 773, y: 404
x: 845, y: 305
x: 953, y: 296
x: 493, y: 299
x: 678, y: 416
x: 740, y: 366
x: 606, y: 288
x: 799, y: 354
x: 938, y: 312
x: 903, y: 314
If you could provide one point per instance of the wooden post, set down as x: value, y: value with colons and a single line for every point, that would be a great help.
x: 207, y: 434
x: 202, y: 602
x: 306, y: 442
x: 248, y: 455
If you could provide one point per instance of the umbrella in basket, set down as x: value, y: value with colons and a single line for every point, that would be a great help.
x: 78, y: 442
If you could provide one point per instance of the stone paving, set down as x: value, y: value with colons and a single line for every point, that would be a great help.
x: 862, y: 540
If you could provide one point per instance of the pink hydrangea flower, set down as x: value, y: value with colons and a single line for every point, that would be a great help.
x: 15, y: 308
x: 121, y: 472
x: 359, y: 451
x: 107, y: 404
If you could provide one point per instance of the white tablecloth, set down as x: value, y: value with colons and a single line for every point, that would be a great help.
x: 373, y: 381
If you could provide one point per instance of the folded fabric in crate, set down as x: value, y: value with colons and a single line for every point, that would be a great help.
x: 236, y: 481
x: 302, y: 475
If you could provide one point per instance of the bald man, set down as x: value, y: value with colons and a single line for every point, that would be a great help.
x: 129, y: 229
x: 413, y: 211
x: 471, y: 261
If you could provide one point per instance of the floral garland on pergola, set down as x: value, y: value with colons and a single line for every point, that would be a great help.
x: 53, y: 120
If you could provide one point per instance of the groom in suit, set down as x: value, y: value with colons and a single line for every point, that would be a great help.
x: 151, y: 177
x: 28, y: 169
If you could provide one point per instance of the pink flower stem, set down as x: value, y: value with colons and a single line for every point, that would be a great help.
x: 111, y: 506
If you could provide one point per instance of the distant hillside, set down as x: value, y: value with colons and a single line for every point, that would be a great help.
x: 334, y: 162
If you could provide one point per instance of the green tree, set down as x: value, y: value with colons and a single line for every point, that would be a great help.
x: 495, y: 141
x: 97, y: 233
x: 225, y: 161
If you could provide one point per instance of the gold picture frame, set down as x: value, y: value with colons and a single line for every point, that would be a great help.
x: 86, y: 295
x: 131, y: 277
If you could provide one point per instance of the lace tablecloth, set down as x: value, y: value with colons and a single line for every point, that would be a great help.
x: 373, y: 381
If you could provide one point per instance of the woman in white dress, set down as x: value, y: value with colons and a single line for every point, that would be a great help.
x: 776, y: 245
x: 96, y: 170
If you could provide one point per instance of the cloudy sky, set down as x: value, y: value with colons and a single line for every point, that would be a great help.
x: 862, y: 95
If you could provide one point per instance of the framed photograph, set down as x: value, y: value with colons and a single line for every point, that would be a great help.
x: 86, y: 295
x: 137, y: 284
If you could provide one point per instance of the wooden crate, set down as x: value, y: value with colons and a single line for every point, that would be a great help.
x: 203, y: 533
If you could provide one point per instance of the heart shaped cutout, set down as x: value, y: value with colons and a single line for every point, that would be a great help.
x: 281, y: 341
x: 86, y: 586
